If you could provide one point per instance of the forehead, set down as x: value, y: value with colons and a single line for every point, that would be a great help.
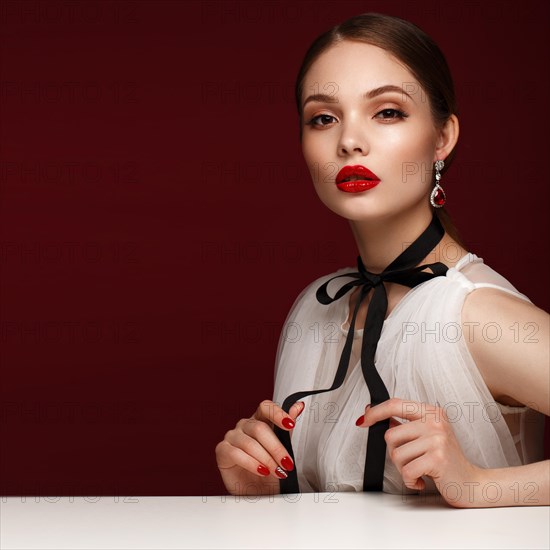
x: 351, y: 68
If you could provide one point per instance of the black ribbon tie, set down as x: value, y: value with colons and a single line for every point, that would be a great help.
x: 404, y: 271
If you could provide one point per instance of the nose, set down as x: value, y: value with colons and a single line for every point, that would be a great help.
x: 352, y: 140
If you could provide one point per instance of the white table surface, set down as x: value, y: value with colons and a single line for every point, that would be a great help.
x: 308, y: 520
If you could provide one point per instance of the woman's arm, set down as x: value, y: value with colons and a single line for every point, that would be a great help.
x: 508, y: 340
x: 427, y: 446
x: 514, y: 365
x: 527, y: 485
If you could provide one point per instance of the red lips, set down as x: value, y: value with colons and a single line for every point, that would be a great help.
x: 356, y: 172
x: 356, y: 179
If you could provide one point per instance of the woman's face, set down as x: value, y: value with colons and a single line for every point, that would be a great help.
x: 398, y: 148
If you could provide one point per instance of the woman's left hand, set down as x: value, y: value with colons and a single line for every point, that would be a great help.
x: 426, y: 445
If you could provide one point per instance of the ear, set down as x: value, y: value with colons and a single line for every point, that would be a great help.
x: 447, y: 137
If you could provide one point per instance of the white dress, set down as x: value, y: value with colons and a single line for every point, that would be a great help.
x: 422, y: 356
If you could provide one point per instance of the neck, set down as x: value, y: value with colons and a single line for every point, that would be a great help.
x: 380, y: 241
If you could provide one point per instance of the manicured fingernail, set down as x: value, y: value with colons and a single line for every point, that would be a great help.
x: 280, y: 472
x: 287, y: 463
x: 288, y: 423
x: 263, y: 470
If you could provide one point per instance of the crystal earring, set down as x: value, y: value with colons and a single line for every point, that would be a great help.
x: 438, y: 198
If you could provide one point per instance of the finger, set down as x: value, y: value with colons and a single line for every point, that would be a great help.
x: 399, y: 432
x: 402, y: 455
x: 257, y: 439
x: 297, y: 409
x: 229, y: 456
x: 400, y: 408
x: 268, y: 411
x: 394, y: 422
x: 418, y: 485
x: 413, y: 471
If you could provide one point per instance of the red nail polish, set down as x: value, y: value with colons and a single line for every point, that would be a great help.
x: 263, y: 470
x: 280, y: 473
x: 360, y: 420
x: 287, y: 463
x: 288, y: 423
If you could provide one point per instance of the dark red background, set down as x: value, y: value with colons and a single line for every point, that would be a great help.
x: 158, y: 219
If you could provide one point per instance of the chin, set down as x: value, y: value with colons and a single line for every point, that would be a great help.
x: 360, y: 210
x: 370, y: 205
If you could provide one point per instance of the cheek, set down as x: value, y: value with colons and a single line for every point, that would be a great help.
x: 314, y: 156
x: 413, y: 153
x: 411, y: 143
x: 306, y: 152
x: 403, y: 153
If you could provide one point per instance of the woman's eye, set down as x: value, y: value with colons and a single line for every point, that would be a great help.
x: 384, y: 114
x: 324, y: 117
x: 391, y: 113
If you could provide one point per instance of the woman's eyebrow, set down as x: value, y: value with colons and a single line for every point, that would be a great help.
x: 325, y: 98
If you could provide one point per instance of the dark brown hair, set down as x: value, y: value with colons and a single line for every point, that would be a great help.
x: 417, y: 51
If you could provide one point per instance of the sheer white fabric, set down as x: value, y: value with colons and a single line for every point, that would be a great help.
x: 422, y: 356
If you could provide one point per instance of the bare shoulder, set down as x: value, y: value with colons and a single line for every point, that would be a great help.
x: 508, y: 340
x: 498, y: 302
x: 491, y: 304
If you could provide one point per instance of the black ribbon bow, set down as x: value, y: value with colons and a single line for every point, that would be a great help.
x: 402, y: 271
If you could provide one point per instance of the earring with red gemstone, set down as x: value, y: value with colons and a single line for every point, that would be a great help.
x: 438, y: 198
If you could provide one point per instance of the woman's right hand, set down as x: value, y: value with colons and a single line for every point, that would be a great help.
x: 250, y: 454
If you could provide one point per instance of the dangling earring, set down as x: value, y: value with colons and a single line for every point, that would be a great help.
x: 438, y: 198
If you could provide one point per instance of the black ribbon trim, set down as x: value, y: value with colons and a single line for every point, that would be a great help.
x: 403, y: 271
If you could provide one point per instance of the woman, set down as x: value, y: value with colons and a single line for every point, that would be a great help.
x: 443, y: 407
